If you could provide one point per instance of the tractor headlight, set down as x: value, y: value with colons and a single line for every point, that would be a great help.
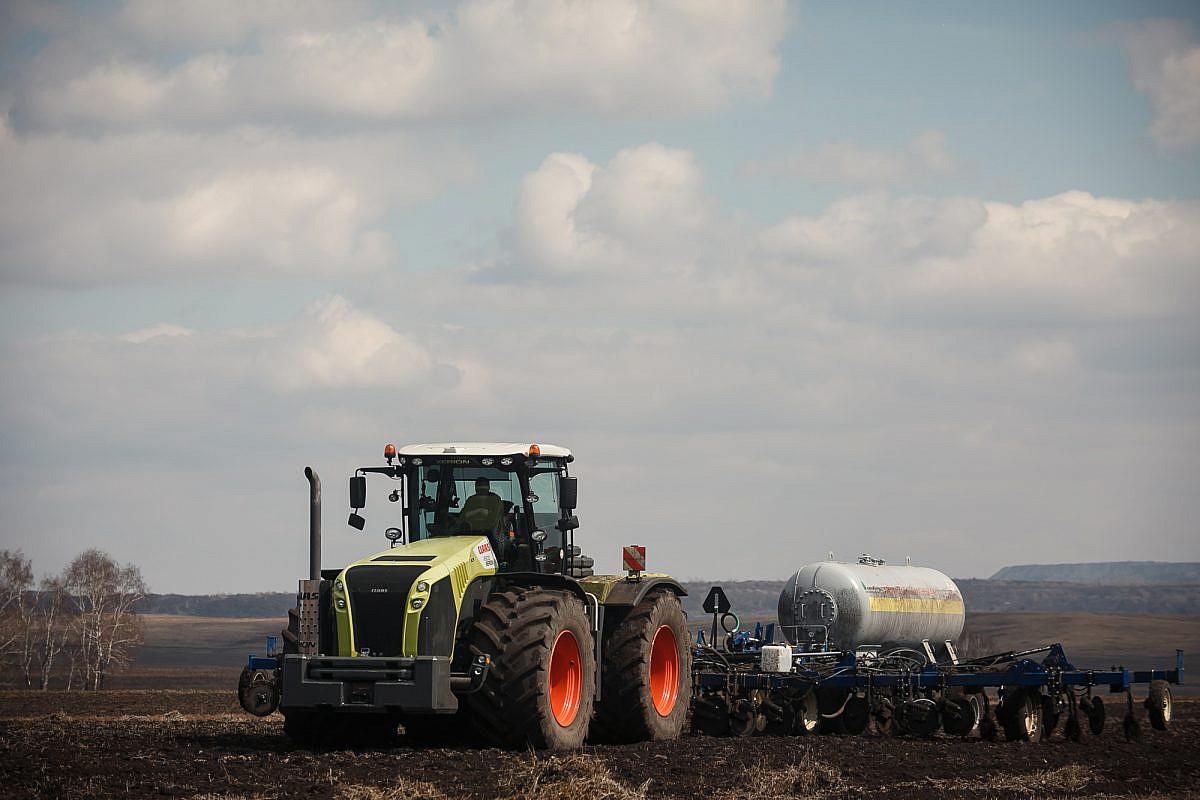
x: 540, y: 557
x: 417, y: 602
x: 538, y: 535
x: 422, y: 586
x: 487, y: 462
x: 506, y: 461
x: 416, y: 462
x: 341, y: 603
x: 338, y: 585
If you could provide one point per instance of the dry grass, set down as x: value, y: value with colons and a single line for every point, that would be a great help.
x: 571, y: 777
x: 401, y: 790
x: 1061, y: 782
x: 809, y: 778
x: 536, y: 777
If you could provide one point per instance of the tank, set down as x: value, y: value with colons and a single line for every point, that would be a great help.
x: 848, y: 606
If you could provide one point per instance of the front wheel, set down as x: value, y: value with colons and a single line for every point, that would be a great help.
x: 647, y: 682
x: 542, y: 682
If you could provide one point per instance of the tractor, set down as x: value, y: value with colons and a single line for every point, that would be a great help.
x: 482, y: 620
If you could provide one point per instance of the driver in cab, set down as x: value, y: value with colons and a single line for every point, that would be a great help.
x: 481, y: 512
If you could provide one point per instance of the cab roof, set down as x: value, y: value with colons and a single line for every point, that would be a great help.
x: 481, y: 449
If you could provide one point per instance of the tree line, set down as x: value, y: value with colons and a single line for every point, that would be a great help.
x: 70, y: 630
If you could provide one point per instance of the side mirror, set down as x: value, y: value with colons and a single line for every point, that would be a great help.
x: 568, y: 493
x: 567, y: 523
x: 358, y: 492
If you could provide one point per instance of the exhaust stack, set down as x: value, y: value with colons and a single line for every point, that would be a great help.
x: 314, y: 523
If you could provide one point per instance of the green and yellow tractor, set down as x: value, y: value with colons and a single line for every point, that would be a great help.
x: 483, y: 620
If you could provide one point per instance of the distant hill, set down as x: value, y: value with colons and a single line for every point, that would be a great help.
x: 261, y: 604
x: 760, y: 599
x: 1107, y: 572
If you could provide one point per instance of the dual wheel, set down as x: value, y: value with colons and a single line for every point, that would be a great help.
x: 542, y: 689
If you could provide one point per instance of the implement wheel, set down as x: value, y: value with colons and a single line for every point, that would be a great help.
x: 1158, y: 705
x: 1021, y: 715
x: 646, y: 674
x: 258, y: 691
x: 542, y: 681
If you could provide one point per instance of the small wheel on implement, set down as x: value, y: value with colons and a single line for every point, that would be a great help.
x: 258, y: 692
x: 1158, y: 705
x: 961, y: 714
x: 1021, y: 715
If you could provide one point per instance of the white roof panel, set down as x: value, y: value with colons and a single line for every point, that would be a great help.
x: 480, y: 449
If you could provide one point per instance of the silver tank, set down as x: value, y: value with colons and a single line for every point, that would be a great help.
x: 868, y: 603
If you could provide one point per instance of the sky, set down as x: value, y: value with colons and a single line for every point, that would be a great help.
x: 916, y: 280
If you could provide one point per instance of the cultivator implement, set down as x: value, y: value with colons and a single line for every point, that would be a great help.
x: 750, y: 684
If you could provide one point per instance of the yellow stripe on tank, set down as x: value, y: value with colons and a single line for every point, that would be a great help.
x: 918, y: 605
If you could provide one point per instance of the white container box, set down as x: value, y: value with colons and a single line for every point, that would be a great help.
x: 776, y: 658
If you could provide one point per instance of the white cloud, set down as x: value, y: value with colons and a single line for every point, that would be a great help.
x: 161, y: 329
x: 1165, y: 62
x: 644, y: 210
x: 168, y: 207
x: 931, y: 363
x: 613, y: 57
x: 845, y: 161
x: 875, y: 227
x: 336, y: 345
x: 1073, y: 254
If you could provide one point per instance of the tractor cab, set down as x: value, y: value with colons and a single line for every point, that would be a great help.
x: 521, y: 496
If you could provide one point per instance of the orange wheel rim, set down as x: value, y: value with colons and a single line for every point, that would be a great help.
x: 566, y: 678
x: 664, y: 670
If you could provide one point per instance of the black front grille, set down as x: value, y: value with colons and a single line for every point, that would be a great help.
x: 435, y: 634
x: 378, y: 600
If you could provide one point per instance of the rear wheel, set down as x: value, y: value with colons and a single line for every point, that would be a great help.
x: 542, y: 680
x: 646, y: 676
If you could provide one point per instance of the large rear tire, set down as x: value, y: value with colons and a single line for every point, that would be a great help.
x: 542, y: 682
x: 647, y: 680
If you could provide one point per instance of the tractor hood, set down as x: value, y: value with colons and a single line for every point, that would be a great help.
x: 406, y: 601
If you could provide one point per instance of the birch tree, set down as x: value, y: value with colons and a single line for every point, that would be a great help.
x: 107, y: 627
x: 17, y: 608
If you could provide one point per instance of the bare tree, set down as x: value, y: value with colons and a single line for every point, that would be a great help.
x: 107, y: 627
x: 55, y: 627
x: 17, y: 608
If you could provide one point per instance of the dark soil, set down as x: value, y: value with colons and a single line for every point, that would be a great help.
x: 191, y: 744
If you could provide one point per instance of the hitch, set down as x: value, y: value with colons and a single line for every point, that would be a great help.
x: 476, y: 675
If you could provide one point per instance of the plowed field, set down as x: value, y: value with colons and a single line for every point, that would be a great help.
x: 198, y: 744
